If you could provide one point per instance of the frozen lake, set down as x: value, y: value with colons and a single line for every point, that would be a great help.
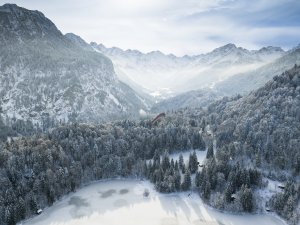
x: 116, y: 202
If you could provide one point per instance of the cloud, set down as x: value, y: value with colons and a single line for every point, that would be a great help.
x: 176, y: 26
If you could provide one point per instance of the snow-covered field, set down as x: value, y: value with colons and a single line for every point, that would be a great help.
x: 115, y: 202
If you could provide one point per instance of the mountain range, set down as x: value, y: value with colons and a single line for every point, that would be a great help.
x: 195, y: 81
x: 168, y: 75
x: 48, y: 75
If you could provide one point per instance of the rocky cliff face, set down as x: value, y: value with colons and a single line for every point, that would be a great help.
x: 45, y: 74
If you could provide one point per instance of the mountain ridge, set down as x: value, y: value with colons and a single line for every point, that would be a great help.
x: 46, y: 76
x: 156, y: 72
x: 222, y: 47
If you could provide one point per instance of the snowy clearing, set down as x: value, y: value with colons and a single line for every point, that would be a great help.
x: 118, y: 202
x: 201, y: 155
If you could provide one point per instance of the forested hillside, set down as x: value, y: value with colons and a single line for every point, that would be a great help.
x: 38, y: 170
x: 257, y: 136
x: 264, y: 125
x: 260, y: 130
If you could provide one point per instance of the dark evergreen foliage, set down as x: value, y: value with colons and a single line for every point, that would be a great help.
x: 193, y: 163
x: 285, y: 203
x: 36, y: 171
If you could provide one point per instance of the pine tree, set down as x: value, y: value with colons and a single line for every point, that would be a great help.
x: 20, y: 209
x: 187, y: 181
x: 193, y: 162
x: 172, y: 164
x: 156, y: 158
x: 176, y: 165
x: 181, y: 162
x: 198, y: 179
x: 228, y: 192
x: 207, y: 190
x: 183, y: 169
x: 9, y: 215
x: 210, y: 152
x: 165, y: 162
x: 177, y: 180
x: 246, y: 198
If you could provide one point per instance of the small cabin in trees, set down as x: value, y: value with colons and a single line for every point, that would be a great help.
x: 158, y: 117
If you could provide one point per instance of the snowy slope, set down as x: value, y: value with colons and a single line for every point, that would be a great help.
x: 251, y: 80
x: 44, y: 74
x: 193, y: 99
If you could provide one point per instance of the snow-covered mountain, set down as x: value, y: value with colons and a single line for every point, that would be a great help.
x: 243, y: 83
x: 44, y: 73
x: 167, y: 75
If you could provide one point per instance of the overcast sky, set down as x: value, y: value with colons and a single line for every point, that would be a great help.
x: 176, y: 26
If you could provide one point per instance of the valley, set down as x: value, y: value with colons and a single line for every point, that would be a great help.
x: 91, y: 134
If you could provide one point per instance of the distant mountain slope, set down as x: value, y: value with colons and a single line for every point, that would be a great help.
x: 262, y: 130
x: 192, y: 99
x: 46, y: 74
x: 241, y: 83
x: 246, y: 82
x: 167, y: 75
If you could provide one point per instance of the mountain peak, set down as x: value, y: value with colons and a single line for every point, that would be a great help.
x: 229, y: 45
x: 229, y: 49
x: 271, y: 49
x: 17, y: 10
x: 77, y: 40
x: 20, y: 24
x: 10, y: 7
x: 156, y: 53
x: 226, y: 48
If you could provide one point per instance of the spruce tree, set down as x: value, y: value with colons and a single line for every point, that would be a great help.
x: 246, y: 198
x: 187, y: 181
x: 207, y: 190
x: 181, y: 162
x: 165, y: 162
x: 198, y: 179
x: 193, y: 162
x: 210, y: 152
x: 177, y: 180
